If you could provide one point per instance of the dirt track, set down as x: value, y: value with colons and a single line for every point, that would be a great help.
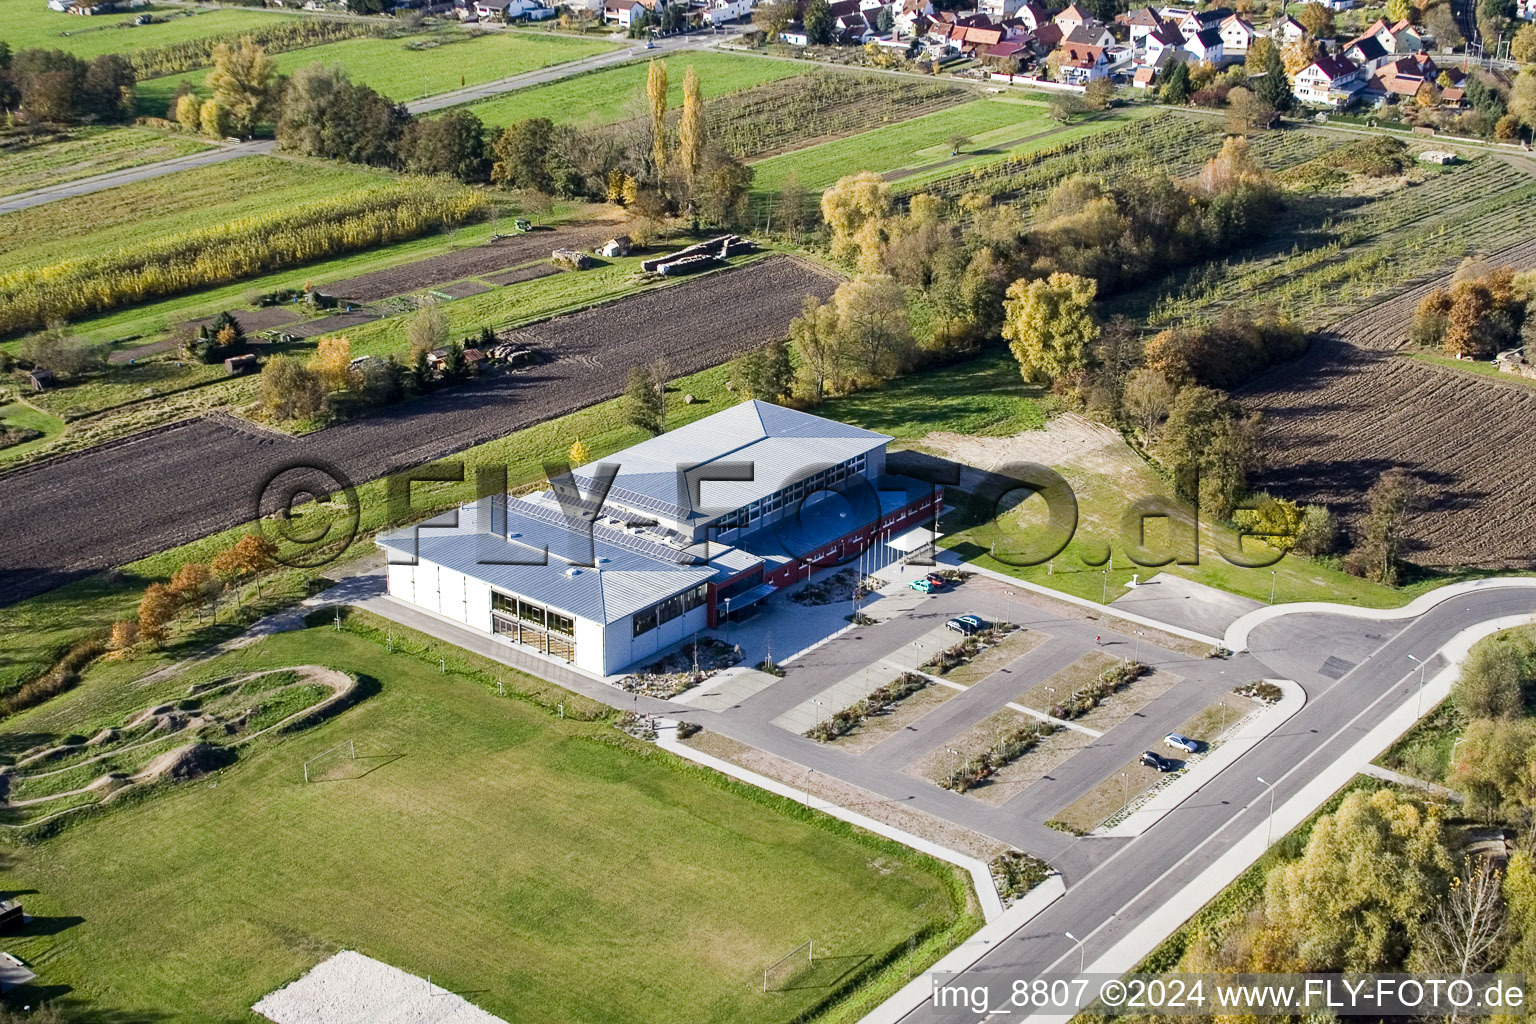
x: 1353, y: 407
x: 111, y: 505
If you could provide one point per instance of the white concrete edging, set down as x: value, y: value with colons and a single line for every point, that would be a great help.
x: 1236, y: 638
x: 1157, y: 926
x: 981, y: 875
x: 1258, y: 726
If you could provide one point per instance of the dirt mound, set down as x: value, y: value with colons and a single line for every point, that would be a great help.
x: 188, y: 762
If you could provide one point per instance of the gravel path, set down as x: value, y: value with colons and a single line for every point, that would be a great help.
x: 350, y: 988
x: 106, y: 506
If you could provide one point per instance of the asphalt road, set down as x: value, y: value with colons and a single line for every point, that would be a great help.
x: 101, y: 182
x: 106, y: 506
x: 426, y: 105
x: 1139, y: 877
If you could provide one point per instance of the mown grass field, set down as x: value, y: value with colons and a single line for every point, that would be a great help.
x: 183, y: 201
x: 29, y: 23
x: 21, y: 415
x: 915, y: 143
x: 551, y: 870
x: 616, y: 93
x: 412, y: 66
x: 86, y: 152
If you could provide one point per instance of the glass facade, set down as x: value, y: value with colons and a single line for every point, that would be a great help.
x: 671, y: 608
x: 533, y: 625
x: 767, y: 507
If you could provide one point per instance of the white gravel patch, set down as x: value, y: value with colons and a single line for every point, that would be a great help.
x: 350, y: 988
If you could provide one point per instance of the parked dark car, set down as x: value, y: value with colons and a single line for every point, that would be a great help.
x: 1154, y: 760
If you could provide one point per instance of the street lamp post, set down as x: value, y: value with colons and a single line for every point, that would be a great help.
x: 1125, y: 794
x: 1139, y: 635
x: 1104, y: 590
x: 727, y: 621
x: 1269, y: 837
x: 1452, y: 764
x: 1274, y: 577
x: 1082, y: 952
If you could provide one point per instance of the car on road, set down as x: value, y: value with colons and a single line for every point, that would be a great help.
x: 1152, y: 759
x: 1178, y: 741
x: 922, y: 586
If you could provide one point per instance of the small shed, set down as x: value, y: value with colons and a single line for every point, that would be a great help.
x: 41, y: 379
x: 236, y: 365
x: 11, y: 916
x: 616, y: 246
x: 473, y: 358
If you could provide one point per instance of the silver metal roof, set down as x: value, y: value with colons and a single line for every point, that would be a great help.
x: 782, y: 445
x: 621, y: 579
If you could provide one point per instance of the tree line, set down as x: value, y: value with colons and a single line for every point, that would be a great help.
x: 53, y: 86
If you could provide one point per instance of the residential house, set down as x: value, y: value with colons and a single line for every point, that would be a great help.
x: 1046, y: 38
x: 999, y: 9
x: 1287, y: 29
x: 1008, y: 49
x: 1158, y: 44
x: 1401, y: 37
x: 1144, y: 78
x: 1071, y: 18
x: 721, y: 11
x: 623, y: 12
x: 1340, y: 5
x: 1237, y: 35
x: 1368, y: 52
x: 908, y: 14
x: 1082, y: 63
x: 1180, y: 18
x: 1206, y: 46
x: 794, y: 34
x: 1526, y: 9
x: 1033, y: 15
x: 1329, y: 81
x: 616, y: 246
x: 1092, y: 33
x: 1140, y: 23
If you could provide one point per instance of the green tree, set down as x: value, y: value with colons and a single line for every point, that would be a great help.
x: 1522, y: 98
x: 1354, y: 898
x: 241, y: 79
x: 1175, y: 89
x: 1490, y: 682
x: 818, y: 353
x: 1147, y: 401
x: 289, y: 390
x: 213, y: 119
x: 774, y: 17
x: 645, y: 401
x: 819, y: 25
x: 1317, y: 19
x: 1397, y: 10
x: 765, y: 373
x: 1272, y: 87
x: 1391, y: 503
x: 1049, y: 325
x: 522, y: 153
x: 428, y: 328
x: 451, y: 144
x: 1208, y: 446
x: 1523, y: 47
x: 1319, y: 531
x: 874, y: 327
x: 187, y: 112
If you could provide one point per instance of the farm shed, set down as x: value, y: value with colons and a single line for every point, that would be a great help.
x: 617, y: 246
x: 41, y: 379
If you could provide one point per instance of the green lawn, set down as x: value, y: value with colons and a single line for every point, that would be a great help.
x: 1481, y: 367
x: 183, y: 201
x: 87, y: 152
x: 29, y: 23
x: 915, y: 143
x: 20, y: 414
x: 981, y: 396
x: 411, y: 67
x: 616, y: 93
x: 548, y: 870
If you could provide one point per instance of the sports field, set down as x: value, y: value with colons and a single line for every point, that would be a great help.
x: 616, y: 93
x: 30, y: 23
x: 916, y: 143
x: 412, y: 66
x: 86, y: 152
x: 549, y: 870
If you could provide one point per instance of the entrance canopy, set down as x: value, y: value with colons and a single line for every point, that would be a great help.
x: 915, y: 539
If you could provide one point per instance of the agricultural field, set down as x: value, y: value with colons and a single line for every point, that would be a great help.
x: 1355, y: 406
x: 603, y: 830
x: 28, y: 162
x: 211, y: 226
x: 206, y: 470
x: 618, y: 93
x: 412, y: 66
x: 913, y: 143
x: 30, y: 24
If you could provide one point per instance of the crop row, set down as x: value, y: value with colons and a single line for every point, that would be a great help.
x: 220, y: 253
x: 278, y: 37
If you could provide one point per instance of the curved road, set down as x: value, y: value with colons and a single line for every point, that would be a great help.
x: 1141, y: 875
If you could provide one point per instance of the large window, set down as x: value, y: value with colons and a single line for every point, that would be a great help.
x: 645, y: 621
x: 533, y: 625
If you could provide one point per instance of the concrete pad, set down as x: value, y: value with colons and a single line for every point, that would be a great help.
x: 13, y: 972
x: 1182, y: 602
x: 844, y: 693
x: 727, y: 689
x: 909, y: 656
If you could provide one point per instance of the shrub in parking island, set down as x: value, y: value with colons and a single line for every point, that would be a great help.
x: 1004, y: 752
x: 1016, y: 872
x: 881, y: 700
x: 1111, y: 680
x: 953, y: 657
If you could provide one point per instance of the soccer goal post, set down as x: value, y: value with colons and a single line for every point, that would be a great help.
x: 778, y: 973
x: 344, y: 749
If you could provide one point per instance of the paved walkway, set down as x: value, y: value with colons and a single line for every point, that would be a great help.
x: 1434, y: 789
x: 112, y: 179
